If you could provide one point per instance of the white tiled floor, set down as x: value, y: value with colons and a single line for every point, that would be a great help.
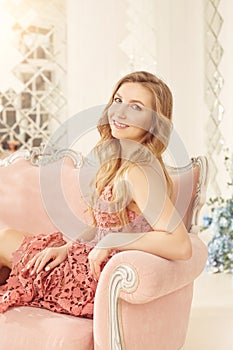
x: 211, y: 320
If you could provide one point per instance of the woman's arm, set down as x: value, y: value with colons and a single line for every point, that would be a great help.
x: 170, y: 238
x: 171, y: 246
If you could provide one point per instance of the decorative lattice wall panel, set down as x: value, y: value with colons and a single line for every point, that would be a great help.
x: 33, y: 104
x: 214, y: 84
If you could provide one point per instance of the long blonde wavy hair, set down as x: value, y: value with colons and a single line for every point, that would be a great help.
x: 112, y: 168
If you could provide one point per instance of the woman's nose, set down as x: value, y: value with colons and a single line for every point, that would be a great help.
x: 121, y: 116
x: 122, y: 111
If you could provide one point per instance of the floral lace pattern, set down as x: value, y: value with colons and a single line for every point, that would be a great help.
x: 68, y: 288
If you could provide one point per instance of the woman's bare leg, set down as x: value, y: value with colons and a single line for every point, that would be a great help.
x: 10, y: 241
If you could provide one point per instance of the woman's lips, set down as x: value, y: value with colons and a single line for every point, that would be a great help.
x: 119, y: 125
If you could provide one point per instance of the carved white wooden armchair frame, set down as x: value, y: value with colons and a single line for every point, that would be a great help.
x: 124, y: 278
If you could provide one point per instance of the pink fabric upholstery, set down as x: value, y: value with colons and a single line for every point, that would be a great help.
x: 154, y: 316
x: 184, y: 188
x: 22, y: 202
x: 157, y: 311
x: 37, y: 329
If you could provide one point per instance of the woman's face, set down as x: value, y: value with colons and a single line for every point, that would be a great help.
x: 130, y: 114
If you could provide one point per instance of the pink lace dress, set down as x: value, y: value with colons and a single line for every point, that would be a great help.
x: 68, y: 288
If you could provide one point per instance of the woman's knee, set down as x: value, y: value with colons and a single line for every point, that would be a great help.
x: 10, y: 241
x: 7, y: 234
x: 4, y: 233
x: 4, y: 236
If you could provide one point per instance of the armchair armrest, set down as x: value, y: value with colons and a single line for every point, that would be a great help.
x: 156, y: 276
x: 138, y: 277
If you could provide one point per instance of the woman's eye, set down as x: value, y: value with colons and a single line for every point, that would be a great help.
x: 136, y: 107
x: 117, y: 100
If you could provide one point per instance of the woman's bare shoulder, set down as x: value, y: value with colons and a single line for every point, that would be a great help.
x: 144, y: 174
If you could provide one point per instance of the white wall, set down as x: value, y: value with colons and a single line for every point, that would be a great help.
x: 96, y: 30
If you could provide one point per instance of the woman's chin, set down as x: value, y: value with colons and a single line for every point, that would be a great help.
x: 119, y: 134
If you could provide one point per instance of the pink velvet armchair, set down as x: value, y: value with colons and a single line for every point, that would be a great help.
x: 142, y: 301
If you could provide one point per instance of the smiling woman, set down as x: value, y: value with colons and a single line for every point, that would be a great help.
x: 134, y: 130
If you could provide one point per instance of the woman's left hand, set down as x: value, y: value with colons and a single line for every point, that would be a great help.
x: 96, y: 257
x: 48, y: 258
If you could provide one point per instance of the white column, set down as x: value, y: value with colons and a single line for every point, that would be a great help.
x: 94, y: 31
x: 180, y: 60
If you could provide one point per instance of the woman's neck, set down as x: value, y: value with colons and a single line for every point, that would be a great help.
x: 128, y: 148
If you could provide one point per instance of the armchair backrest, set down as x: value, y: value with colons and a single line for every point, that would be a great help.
x: 22, y: 198
x: 189, y: 189
x: 22, y: 203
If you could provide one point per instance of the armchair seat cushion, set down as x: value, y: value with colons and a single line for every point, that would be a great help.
x: 25, y: 328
